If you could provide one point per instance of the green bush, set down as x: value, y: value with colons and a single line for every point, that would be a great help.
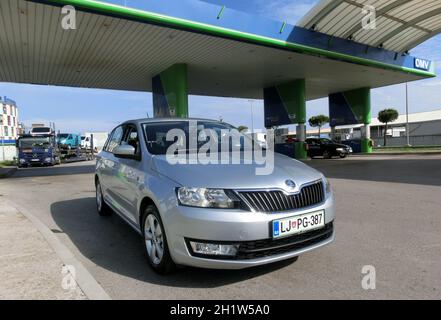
x: 6, y: 163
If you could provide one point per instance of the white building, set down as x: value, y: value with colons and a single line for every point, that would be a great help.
x: 424, y: 130
x: 9, y: 128
x: 8, y: 120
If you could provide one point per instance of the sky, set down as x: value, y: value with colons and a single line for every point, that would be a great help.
x: 82, y: 110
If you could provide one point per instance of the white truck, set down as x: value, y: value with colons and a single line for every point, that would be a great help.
x: 99, y: 139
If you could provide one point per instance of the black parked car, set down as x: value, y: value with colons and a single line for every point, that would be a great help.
x: 327, y: 148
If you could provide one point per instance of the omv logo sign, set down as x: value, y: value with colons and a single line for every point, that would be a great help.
x: 422, y: 64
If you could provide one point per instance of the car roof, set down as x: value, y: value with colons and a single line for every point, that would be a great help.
x: 155, y: 120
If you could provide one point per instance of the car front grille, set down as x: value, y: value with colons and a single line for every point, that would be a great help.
x: 30, y: 156
x: 278, y: 201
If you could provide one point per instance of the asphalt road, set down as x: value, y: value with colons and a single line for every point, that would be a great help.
x: 388, y: 216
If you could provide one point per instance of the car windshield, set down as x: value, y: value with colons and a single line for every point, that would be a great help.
x: 33, y: 142
x: 157, y: 143
x: 63, y: 136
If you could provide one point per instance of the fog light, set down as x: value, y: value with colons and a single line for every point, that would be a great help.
x: 214, y: 249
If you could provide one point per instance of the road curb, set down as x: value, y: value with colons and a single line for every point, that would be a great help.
x: 88, y: 284
x: 6, y: 172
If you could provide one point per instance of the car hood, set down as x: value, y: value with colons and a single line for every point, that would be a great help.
x: 339, y: 145
x: 237, y: 176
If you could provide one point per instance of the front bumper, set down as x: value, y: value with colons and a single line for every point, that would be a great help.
x: 31, y: 161
x: 251, y: 230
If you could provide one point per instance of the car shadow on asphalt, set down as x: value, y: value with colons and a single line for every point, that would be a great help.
x: 113, y: 245
x: 422, y: 171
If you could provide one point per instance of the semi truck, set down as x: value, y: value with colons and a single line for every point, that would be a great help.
x: 37, y: 150
x: 49, y: 150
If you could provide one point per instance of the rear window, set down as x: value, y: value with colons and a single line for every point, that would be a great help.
x: 41, y: 130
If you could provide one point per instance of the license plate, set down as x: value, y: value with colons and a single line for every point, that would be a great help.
x: 35, y: 160
x: 299, y: 224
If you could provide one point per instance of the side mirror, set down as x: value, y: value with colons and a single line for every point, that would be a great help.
x: 125, y: 151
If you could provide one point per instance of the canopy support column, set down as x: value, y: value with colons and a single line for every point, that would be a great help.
x: 170, y: 92
x: 352, y: 107
x: 366, y: 142
x: 286, y: 104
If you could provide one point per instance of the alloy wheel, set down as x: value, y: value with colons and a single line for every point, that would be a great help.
x: 154, y: 239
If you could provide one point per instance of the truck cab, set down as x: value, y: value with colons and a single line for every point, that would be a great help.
x: 37, y: 150
x: 85, y: 142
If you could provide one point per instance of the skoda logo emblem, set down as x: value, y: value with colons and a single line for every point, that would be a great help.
x: 290, y: 184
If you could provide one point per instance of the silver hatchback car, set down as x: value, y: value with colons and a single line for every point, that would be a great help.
x: 220, y: 216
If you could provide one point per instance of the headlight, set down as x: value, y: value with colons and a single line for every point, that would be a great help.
x: 206, y: 198
x: 340, y: 149
x: 47, y: 160
x: 327, y: 186
x: 22, y: 161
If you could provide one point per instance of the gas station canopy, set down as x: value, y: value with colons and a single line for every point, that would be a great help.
x: 400, y: 25
x: 228, y: 53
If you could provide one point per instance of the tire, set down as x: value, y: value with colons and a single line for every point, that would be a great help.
x: 342, y: 156
x: 327, y: 154
x: 155, y: 242
x: 101, y: 206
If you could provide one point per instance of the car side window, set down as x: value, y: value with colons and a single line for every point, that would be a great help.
x: 131, y: 138
x: 109, y: 137
x: 115, y: 140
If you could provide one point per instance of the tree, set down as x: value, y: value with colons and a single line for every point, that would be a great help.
x: 242, y: 128
x: 318, y: 121
x: 387, y: 116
